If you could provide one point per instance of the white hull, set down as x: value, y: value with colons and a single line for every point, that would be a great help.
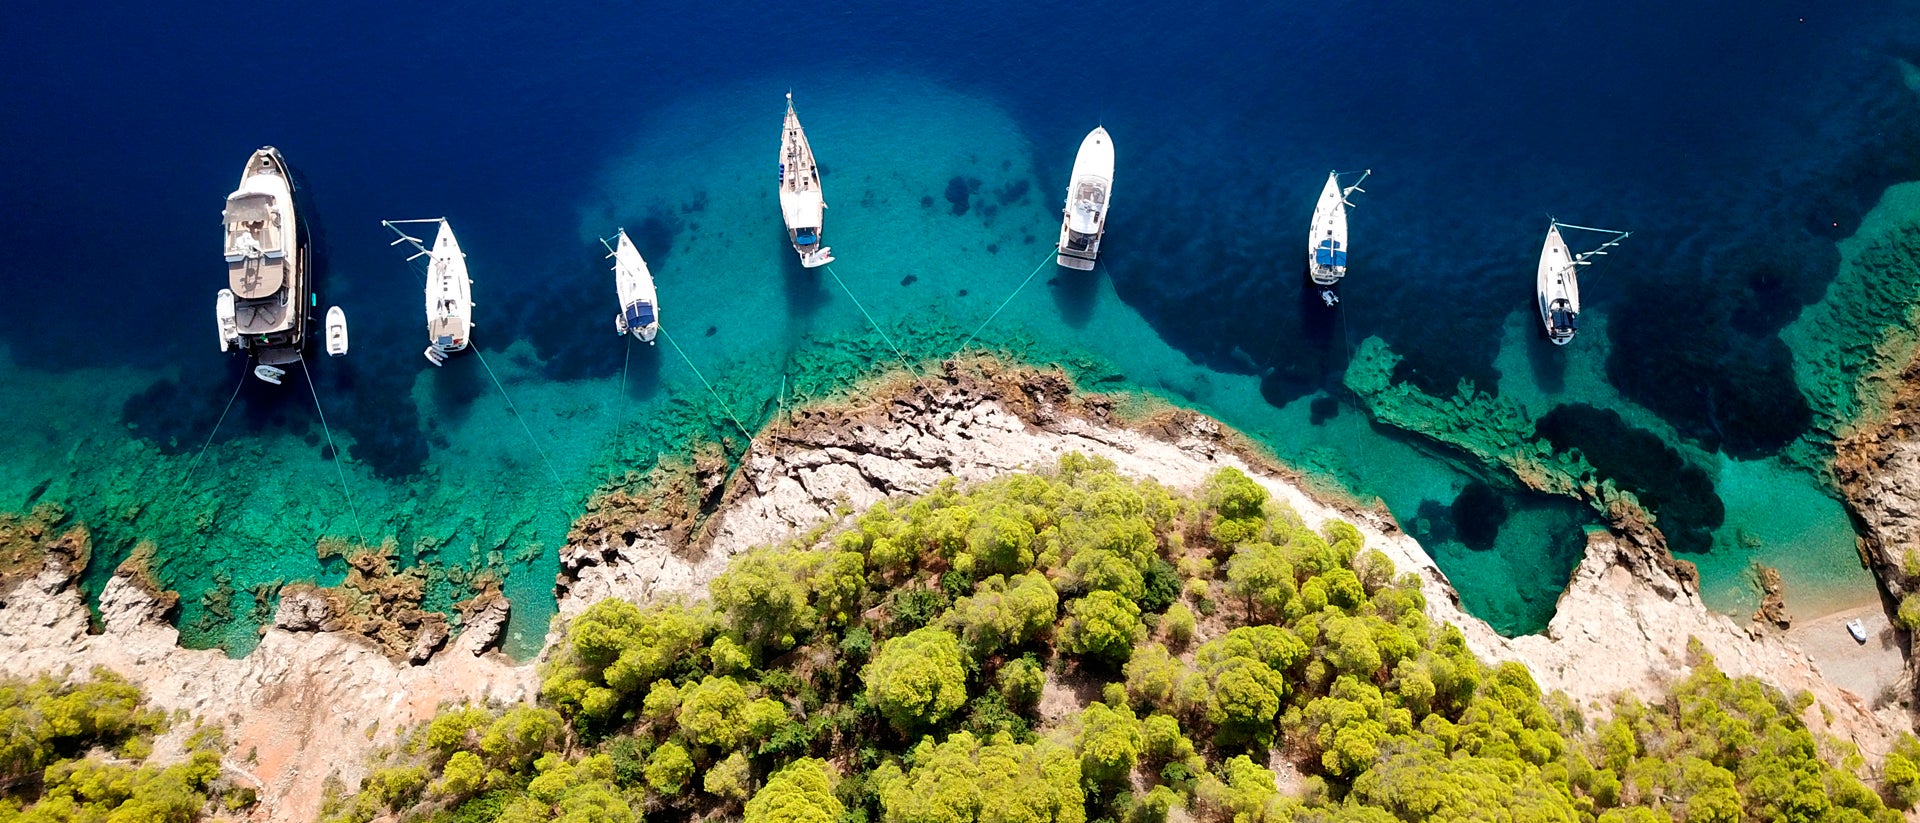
x: 1327, y: 236
x: 639, y: 303
x: 263, y: 310
x: 449, y: 297
x: 223, y: 318
x: 803, y: 205
x: 1089, y: 194
x: 336, y: 331
x: 1559, y: 288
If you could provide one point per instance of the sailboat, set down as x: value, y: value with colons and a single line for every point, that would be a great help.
x: 802, y: 204
x: 639, y: 304
x: 263, y: 310
x: 1088, y: 192
x: 1327, y: 236
x: 449, y: 290
x: 1559, y: 285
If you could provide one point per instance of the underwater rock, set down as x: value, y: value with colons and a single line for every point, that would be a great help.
x: 1496, y: 431
x: 1773, y: 598
x: 303, y: 608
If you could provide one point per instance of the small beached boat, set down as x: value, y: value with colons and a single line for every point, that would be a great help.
x: 639, y: 304
x: 264, y: 309
x: 336, y: 331
x: 802, y: 204
x: 1088, y: 193
x: 1858, y: 630
x: 449, y: 290
x: 1327, y: 236
x: 1558, y: 281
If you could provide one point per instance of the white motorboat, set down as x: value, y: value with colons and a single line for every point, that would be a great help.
x: 264, y: 309
x: 1089, y: 192
x: 639, y: 304
x: 1327, y: 236
x: 449, y: 291
x: 802, y: 204
x: 1558, y: 280
x: 336, y: 331
x: 1858, y: 630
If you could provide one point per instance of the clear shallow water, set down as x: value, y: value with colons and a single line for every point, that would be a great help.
x: 1739, y: 147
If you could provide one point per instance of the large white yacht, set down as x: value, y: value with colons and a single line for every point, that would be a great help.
x: 264, y: 309
x: 802, y: 204
x: 449, y: 291
x: 1558, y: 282
x: 1088, y: 194
x: 639, y: 304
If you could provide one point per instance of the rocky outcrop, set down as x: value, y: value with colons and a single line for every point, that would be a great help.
x: 483, y: 621
x: 303, y: 608
x: 307, y: 707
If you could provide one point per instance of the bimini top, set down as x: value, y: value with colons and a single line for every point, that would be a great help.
x: 1330, y: 253
x: 1083, y: 216
x: 639, y: 314
x: 802, y: 211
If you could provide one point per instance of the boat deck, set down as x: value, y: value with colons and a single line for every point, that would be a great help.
x: 262, y: 316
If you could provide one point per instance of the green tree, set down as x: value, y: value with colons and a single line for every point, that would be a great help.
x: 917, y: 679
x: 1110, y: 744
x: 669, y: 769
x: 801, y: 792
x: 1102, y: 625
x: 713, y: 712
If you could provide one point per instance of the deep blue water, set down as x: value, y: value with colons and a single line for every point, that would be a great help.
x: 1738, y: 140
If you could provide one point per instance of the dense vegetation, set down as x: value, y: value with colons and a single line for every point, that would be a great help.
x: 1076, y: 646
x: 75, y: 752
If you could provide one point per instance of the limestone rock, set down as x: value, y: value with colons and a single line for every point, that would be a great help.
x: 432, y: 635
x: 483, y: 622
x: 303, y: 609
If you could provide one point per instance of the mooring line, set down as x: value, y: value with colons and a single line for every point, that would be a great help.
x: 871, y: 321
x: 344, y: 491
x: 516, y: 415
x: 703, y: 380
x: 1003, y: 303
x: 620, y: 408
x: 223, y: 419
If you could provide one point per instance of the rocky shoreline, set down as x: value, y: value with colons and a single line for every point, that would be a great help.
x: 317, y: 697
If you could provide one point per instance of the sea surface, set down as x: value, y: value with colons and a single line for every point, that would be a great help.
x: 1741, y: 143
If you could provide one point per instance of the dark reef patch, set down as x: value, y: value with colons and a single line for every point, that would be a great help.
x: 1322, y: 409
x: 1678, y: 492
x: 960, y: 193
x: 1478, y: 513
x: 909, y: 280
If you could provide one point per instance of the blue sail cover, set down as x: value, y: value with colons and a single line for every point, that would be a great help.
x: 1330, y: 254
x: 1565, y: 320
x: 639, y: 315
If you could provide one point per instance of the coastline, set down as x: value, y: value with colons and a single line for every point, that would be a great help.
x: 305, y: 698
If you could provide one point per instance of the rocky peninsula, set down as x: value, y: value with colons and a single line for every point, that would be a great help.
x: 319, y: 695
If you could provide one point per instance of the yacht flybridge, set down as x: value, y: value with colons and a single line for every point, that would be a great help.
x: 264, y: 309
x: 1327, y: 237
x: 1559, y: 285
x: 639, y: 304
x: 449, y: 291
x: 1088, y: 192
x: 802, y: 204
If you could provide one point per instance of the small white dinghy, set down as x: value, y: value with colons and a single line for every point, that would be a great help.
x: 1858, y: 630
x: 1327, y: 236
x: 449, y: 291
x: 271, y: 374
x: 223, y: 316
x: 639, y: 304
x: 1559, y: 283
x: 1089, y: 192
x: 802, y: 204
x: 336, y: 331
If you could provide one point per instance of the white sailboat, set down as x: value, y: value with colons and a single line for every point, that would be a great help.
x: 263, y: 310
x: 802, y: 204
x: 1327, y: 236
x: 1089, y: 191
x: 336, y: 331
x: 1558, y: 280
x: 639, y: 304
x: 449, y: 290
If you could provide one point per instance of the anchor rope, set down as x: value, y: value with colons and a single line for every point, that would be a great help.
x: 1003, y: 303
x: 703, y: 380
x: 516, y: 415
x: 620, y: 408
x: 871, y: 321
x: 223, y: 419
x: 359, y: 527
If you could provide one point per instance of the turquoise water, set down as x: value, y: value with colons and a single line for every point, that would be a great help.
x: 943, y: 161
